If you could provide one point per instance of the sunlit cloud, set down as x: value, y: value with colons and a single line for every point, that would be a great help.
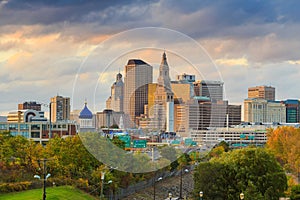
x: 294, y: 62
x: 233, y: 62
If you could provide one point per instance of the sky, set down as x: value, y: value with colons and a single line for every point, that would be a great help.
x: 75, y: 48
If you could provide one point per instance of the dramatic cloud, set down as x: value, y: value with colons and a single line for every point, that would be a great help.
x: 44, y: 44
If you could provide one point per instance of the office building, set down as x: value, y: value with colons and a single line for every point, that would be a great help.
x: 115, y: 101
x: 211, y: 89
x: 292, y: 110
x: 149, y: 108
x: 108, y: 117
x: 186, y: 78
x: 164, y: 99
x: 60, y: 108
x: 31, y: 105
x: 263, y: 92
x: 138, y: 74
x: 263, y: 111
x: 40, y: 131
x: 22, y: 116
x: 237, y: 136
x: 182, y: 90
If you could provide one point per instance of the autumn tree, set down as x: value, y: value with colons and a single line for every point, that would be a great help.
x: 284, y: 142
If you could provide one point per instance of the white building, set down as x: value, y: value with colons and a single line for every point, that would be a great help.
x: 261, y: 110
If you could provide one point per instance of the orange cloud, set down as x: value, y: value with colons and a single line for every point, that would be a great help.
x: 233, y: 62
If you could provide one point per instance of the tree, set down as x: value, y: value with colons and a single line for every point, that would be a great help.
x: 114, y: 126
x: 253, y: 171
x: 284, y: 142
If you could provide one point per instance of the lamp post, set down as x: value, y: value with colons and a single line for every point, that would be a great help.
x: 200, y: 195
x: 154, y: 181
x: 170, y: 196
x: 180, y: 194
x: 102, y: 184
x: 242, y: 196
x: 45, y: 177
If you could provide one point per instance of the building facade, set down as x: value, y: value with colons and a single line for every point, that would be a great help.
x: 292, y: 110
x: 116, y: 99
x: 211, y: 89
x: 40, y: 131
x: 87, y: 120
x: 25, y: 116
x: 261, y: 110
x: 164, y: 99
x: 60, y: 108
x: 263, y: 92
x: 31, y: 105
x: 138, y: 74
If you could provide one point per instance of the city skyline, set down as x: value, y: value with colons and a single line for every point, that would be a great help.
x: 44, y: 44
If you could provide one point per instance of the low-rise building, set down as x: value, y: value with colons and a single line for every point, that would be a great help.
x: 40, y: 131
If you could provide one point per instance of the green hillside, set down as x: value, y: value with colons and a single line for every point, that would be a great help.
x: 53, y: 193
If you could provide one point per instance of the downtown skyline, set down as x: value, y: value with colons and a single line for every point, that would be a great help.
x: 43, y: 45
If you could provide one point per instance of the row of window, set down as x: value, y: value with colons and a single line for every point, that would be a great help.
x: 33, y: 126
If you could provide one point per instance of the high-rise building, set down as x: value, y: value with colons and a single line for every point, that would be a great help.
x: 60, y: 108
x: 263, y: 92
x: 31, y: 105
x: 183, y: 91
x: 211, y: 89
x: 138, y: 74
x: 151, y: 100
x: 164, y: 99
x: 115, y: 101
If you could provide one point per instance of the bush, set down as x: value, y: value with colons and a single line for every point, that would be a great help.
x: 14, y: 187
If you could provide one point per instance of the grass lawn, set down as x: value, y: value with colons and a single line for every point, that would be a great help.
x: 52, y: 193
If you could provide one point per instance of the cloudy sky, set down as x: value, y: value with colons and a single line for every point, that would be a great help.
x: 74, y: 48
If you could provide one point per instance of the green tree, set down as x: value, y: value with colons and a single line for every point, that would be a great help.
x: 253, y: 171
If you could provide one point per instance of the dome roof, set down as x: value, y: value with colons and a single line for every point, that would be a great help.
x: 85, y: 113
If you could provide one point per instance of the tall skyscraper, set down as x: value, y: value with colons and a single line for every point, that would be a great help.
x: 263, y: 92
x: 211, y: 89
x: 60, y: 108
x: 138, y: 74
x: 115, y: 101
x: 164, y: 99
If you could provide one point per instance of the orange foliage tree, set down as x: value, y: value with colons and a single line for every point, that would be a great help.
x: 284, y: 142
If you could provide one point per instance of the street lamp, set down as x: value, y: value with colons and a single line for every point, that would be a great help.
x: 242, y: 196
x: 154, y: 181
x: 102, y: 184
x: 200, y: 195
x: 170, y: 195
x: 44, y: 183
x: 180, y: 194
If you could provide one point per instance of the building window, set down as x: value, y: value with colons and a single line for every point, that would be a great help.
x: 35, y: 135
x: 13, y: 126
x: 24, y: 127
x: 3, y: 127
